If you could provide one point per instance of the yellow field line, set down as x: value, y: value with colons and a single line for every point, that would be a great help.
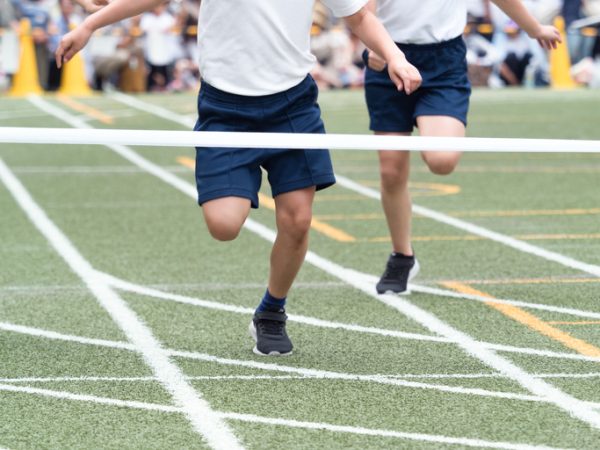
x: 588, y: 322
x: 509, y: 213
x: 580, y: 346
x: 528, y: 213
x: 534, y: 281
x: 268, y: 202
x: 430, y: 189
x: 322, y: 227
x: 472, y: 237
x: 85, y: 109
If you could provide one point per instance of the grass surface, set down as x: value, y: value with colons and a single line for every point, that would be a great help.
x: 371, y: 387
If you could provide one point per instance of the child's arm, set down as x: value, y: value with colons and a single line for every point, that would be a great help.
x: 546, y: 35
x: 92, y: 6
x: 367, y: 27
x: 115, y: 11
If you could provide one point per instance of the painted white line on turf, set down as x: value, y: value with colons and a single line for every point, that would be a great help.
x: 300, y: 372
x: 131, y: 287
x: 312, y: 373
x: 480, y: 231
x: 90, y: 398
x: 158, y: 111
x: 251, y: 418
x: 151, y: 292
x: 576, y: 408
x: 426, y: 376
x: 211, y: 428
x: 467, y: 442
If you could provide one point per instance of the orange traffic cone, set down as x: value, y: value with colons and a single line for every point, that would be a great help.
x: 560, y: 63
x: 26, y: 81
x: 73, y: 80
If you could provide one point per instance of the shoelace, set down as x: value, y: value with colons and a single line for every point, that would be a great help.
x: 272, y: 327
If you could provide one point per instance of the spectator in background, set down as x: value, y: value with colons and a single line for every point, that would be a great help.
x: 9, y: 43
x: 57, y: 29
x: 517, y: 56
x: 334, y: 49
x: 161, y: 46
x: 114, y: 50
x: 38, y: 13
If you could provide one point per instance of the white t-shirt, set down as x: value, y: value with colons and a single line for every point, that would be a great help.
x: 259, y: 47
x: 423, y: 21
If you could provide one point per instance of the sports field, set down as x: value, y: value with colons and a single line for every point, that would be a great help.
x: 123, y: 325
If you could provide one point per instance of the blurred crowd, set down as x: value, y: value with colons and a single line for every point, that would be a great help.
x: 157, y: 50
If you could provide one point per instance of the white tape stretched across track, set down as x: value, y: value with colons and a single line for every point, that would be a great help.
x: 161, y: 138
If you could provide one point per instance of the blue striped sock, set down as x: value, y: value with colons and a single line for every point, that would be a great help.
x: 270, y: 303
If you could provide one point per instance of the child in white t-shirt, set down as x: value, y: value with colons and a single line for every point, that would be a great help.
x: 254, y: 60
x: 429, y: 32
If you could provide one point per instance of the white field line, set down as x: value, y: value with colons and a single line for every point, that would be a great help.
x: 576, y: 408
x: 466, y: 442
x: 158, y: 111
x: 131, y: 287
x: 480, y: 231
x: 251, y: 418
x: 198, y: 411
x: 90, y: 398
x: 273, y: 367
x: 155, y: 293
x: 425, y: 376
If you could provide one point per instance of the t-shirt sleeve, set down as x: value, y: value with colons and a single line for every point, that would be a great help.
x: 344, y: 8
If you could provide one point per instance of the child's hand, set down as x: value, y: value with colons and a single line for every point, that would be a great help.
x: 404, y: 75
x: 71, y: 43
x: 547, y: 36
x: 92, y: 6
x: 376, y: 62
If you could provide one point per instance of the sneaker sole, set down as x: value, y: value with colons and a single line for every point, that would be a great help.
x: 411, y: 275
x: 252, y: 331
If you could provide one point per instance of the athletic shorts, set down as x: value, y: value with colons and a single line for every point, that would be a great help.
x: 225, y: 172
x: 445, y: 90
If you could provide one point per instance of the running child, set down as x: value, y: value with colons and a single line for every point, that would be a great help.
x: 429, y: 33
x: 254, y: 61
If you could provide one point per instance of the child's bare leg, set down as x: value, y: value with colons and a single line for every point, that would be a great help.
x: 293, y: 215
x: 441, y: 162
x: 394, y: 168
x: 225, y: 216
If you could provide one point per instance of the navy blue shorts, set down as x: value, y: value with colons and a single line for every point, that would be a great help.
x: 445, y: 90
x: 225, y: 172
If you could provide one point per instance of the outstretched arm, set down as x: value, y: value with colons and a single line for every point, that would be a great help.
x: 92, y: 6
x: 367, y: 27
x: 113, y: 12
x: 547, y: 35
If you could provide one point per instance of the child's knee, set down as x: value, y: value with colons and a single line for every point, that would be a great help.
x: 442, y: 163
x: 296, y: 223
x: 393, y: 177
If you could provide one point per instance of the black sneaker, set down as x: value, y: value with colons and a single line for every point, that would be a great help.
x: 268, y: 331
x: 398, y: 272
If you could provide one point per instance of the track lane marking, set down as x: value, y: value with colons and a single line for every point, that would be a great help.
x: 530, y: 321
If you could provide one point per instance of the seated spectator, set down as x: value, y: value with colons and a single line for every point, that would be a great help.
x: 114, y: 51
x: 517, y: 56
